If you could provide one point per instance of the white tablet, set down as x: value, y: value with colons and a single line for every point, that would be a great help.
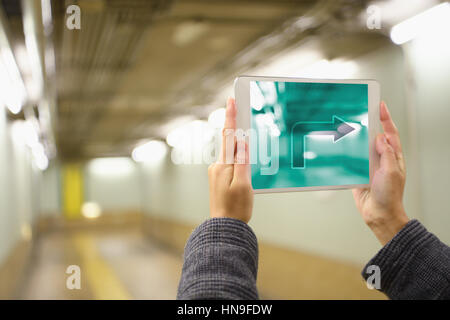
x: 309, y: 134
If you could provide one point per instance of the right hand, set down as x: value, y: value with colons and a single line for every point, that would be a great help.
x: 381, y: 205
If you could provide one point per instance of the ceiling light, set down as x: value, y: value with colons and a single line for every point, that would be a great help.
x: 111, y: 167
x: 174, y: 123
x: 41, y: 161
x: 91, y: 210
x: 194, y: 132
x: 188, y: 32
x: 13, y: 92
x: 30, y: 134
x: 309, y: 155
x: 429, y: 20
x: 175, y: 137
x: 152, y: 151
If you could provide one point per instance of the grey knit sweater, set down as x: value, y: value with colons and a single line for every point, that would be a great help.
x: 221, y: 262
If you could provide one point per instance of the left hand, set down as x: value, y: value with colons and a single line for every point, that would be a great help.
x: 230, y: 189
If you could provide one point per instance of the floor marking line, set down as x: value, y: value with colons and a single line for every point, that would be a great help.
x: 101, y: 277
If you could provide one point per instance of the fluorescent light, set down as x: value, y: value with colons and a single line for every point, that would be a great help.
x: 30, y: 134
x: 91, y: 210
x: 13, y: 93
x: 170, y: 126
x: 187, y: 32
x: 24, y: 134
x: 217, y: 118
x: 175, y: 137
x: 309, y: 155
x: 195, y: 131
x: 152, y: 151
x: 12, y: 89
x: 111, y: 167
x: 41, y: 161
x: 39, y: 156
x: 429, y: 20
x: 190, y: 140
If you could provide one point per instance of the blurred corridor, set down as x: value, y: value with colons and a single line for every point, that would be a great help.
x: 97, y: 99
x: 118, y: 261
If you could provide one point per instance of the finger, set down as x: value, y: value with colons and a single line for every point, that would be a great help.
x: 392, y: 134
x: 386, y: 152
x: 228, y: 141
x: 390, y: 128
x: 359, y: 193
x: 230, y: 114
x: 241, y: 167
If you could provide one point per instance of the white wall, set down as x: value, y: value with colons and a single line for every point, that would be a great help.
x: 18, y: 184
x: 50, y: 191
x: 429, y: 60
x: 325, y: 223
x: 113, y: 183
x: 176, y: 192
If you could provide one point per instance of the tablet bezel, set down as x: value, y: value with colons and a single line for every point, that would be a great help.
x: 242, y: 96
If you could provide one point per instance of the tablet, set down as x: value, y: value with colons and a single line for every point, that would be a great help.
x: 309, y: 134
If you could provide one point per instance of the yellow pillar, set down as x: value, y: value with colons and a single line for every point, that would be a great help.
x: 72, y: 190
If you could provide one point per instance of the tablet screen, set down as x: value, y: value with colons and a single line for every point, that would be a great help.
x: 309, y: 134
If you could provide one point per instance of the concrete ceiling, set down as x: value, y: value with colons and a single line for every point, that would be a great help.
x: 137, y: 64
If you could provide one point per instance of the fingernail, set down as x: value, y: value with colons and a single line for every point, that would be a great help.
x: 384, y: 139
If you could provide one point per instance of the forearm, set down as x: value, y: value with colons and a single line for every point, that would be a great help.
x: 220, y: 262
x: 413, y: 265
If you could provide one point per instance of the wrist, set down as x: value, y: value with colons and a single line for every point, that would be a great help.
x: 244, y: 218
x: 389, y: 225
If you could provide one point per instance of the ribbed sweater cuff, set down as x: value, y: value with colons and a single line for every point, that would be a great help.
x: 224, y: 231
x: 395, y: 256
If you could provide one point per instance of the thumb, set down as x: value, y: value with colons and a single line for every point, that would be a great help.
x: 386, y: 152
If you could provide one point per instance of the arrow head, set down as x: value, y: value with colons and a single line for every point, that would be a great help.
x: 342, y: 128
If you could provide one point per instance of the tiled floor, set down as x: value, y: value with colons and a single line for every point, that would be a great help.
x: 114, y: 264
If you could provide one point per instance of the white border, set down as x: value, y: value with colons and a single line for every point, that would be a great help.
x: 242, y: 95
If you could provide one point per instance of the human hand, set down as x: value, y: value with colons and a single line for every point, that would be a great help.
x: 381, y: 205
x: 230, y: 189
